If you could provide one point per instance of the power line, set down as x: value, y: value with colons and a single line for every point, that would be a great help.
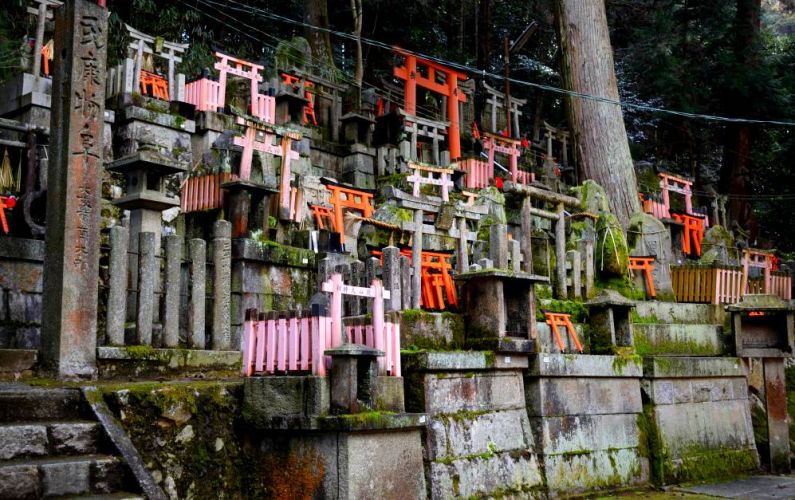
x: 375, y: 43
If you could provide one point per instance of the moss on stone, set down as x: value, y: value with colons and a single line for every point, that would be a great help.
x: 644, y: 346
x: 612, y: 254
x: 620, y: 362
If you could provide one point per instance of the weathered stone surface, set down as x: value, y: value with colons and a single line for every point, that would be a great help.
x: 431, y: 330
x: 459, y: 435
x: 718, y: 247
x: 647, y: 236
x: 692, y: 367
x: 222, y: 255
x: 74, y: 438
x: 696, y: 390
x: 19, y: 481
x: 572, y: 365
x: 592, y: 197
x: 462, y: 360
x: 479, y: 391
x: 678, y: 339
x: 108, y: 475
x: 611, y: 247
x: 589, y: 471
x: 516, y: 474
x: 572, y: 433
x: 147, y: 284
x: 22, y: 440
x: 117, y: 295
x: 547, y: 342
x: 66, y: 476
x: 679, y: 312
x: 372, y: 462
x: 578, y: 396
x: 265, y: 397
x: 16, y: 360
x: 74, y: 182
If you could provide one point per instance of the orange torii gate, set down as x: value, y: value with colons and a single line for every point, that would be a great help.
x: 342, y: 198
x: 433, y: 74
x: 436, y: 279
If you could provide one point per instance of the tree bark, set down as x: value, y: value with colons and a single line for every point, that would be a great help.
x: 316, y: 14
x: 738, y: 139
x: 356, y: 8
x: 600, y: 138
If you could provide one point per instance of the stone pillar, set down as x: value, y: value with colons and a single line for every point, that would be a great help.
x: 405, y: 281
x: 560, y: 253
x: 391, y: 275
x: 777, y: 421
x: 527, y: 235
x: 463, y: 256
x: 71, y: 274
x: 147, y: 276
x: 171, y: 308
x: 498, y: 245
x: 117, y: 294
x: 197, y: 249
x: 416, y: 279
x: 222, y: 276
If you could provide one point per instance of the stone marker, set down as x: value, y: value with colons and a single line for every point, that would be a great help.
x: 391, y: 276
x: 197, y: 249
x: 117, y: 294
x: 498, y: 245
x: 147, y: 276
x: 71, y: 271
x: 405, y: 281
x: 222, y: 272
x: 171, y: 308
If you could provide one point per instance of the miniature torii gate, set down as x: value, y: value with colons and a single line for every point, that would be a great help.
x: 146, y: 44
x: 497, y: 144
x: 444, y: 181
x: 759, y: 259
x: 412, y: 78
x: 496, y: 100
x: 250, y: 144
x: 43, y: 12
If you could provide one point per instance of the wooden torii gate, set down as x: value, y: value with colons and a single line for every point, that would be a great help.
x: 431, y: 81
x: 147, y: 44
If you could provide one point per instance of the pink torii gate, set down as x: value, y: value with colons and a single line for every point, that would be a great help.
x: 292, y: 343
x: 209, y: 95
x: 509, y: 147
x: 250, y: 143
x: 434, y: 73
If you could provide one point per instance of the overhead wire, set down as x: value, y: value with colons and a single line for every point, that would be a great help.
x: 237, y: 6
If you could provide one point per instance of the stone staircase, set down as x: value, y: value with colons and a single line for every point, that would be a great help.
x: 52, y: 446
x: 679, y: 329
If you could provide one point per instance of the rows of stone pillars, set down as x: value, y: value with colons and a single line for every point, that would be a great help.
x: 148, y: 288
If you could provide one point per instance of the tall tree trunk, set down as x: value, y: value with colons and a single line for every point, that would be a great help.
x: 316, y: 14
x: 600, y: 138
x: 738, y: 139
x: 356, y: 8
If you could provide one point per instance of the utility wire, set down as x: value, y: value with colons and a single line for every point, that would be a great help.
x: 236, y: 6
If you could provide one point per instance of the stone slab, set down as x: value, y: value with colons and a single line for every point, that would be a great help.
x: 692, y: 367
x: 477, y: 477
x: 590, y: 471
x: 569, y: 434
x: 573, y: 365
x: 757, y: 487
x: 581, y: 396
x: 461, y: 361
x: 284, y: 396
x: 679, y: 339
x: 174, y: 358
x: 679, y: 312
x: 462, y: 434
x: 718, y: 425
x: 697, y: 390
x: 20, y: 481
x: 384, y: 465
x: 453, y: 392
x: 17, y: 360
x: 22, y: 440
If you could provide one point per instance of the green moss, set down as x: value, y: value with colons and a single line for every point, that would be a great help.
x: 611, y: 253
x: 622, y: 285
x: 644, y: 346
x: 620, y: 362
x: 644, y: 320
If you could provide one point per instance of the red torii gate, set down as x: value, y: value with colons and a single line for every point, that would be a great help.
x: 408, y: 73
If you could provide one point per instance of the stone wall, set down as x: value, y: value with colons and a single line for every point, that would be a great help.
x: 698, y: 419
x: 21, y: 273
x: 478, y: 442
x: 583, y: 411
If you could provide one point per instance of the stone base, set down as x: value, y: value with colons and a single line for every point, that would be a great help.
x: 427, y: 330
x: 698, y: 419
x: 14, y: 361
x: 583, y: 412
x: 478, y: 440
x: 139, y: 361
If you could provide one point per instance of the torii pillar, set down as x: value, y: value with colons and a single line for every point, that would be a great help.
x: 71, y: 265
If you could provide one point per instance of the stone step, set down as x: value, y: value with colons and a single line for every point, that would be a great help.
x: 31, y: 439
x: 682, y: 313
x: 678, y: 339
x: 24, y: 403
x: 121, y: 495
x: 62, y: 476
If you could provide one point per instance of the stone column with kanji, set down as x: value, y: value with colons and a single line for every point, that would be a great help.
x: 71, y: 267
